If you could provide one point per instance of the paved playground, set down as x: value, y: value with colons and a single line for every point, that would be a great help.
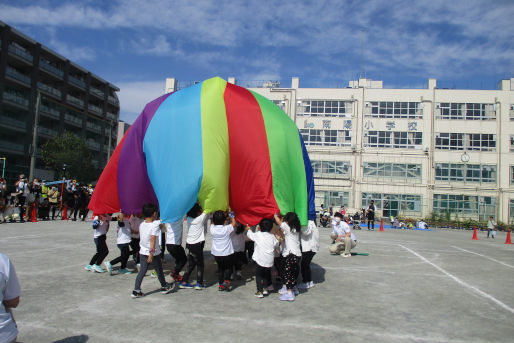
x: 415, y: 286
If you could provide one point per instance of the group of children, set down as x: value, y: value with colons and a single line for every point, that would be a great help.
x: 279, y: 243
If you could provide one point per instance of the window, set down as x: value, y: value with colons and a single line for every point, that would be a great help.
x: 460, y: 141
x: 393, y: 204
x: 281, y: 104
x: 511, y: 143
x: 465, y: 172
x: 392, y: 170
x: 511, y: 112
x: 389, y: 109
x: 393, y: 139
x: 455, y: 204
x: 468, y: 111
x: 327, y: 137
x: 512, y: 175
x: 324, y: 108
x: 331, y: 168
x: 333, y: 199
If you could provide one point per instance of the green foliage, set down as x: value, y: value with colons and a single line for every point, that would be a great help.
x: 71, y: 150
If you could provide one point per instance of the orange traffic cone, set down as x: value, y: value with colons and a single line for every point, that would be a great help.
x: 381, y: 225
x: 508, y: 241
x: 475, y: 237
x: 33, y: 214
x: 65, y: 213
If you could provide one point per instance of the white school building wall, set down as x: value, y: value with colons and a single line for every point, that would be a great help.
x: 416, y: 152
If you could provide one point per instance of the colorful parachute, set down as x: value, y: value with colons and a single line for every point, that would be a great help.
x: 216, y: 143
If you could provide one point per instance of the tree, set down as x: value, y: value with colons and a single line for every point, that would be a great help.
x: 71, y: 150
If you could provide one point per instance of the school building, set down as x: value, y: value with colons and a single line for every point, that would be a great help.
x: 416, y: 152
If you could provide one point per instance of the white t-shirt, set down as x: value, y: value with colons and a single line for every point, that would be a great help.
x: 309, y: 237
x: 221, y: 241
x: 174, y: 232
x: 238, y: 241
x: 103, y: 227
x: 9, y: 289
x: 291, y: 242
x: 146, y: 230
x: 342, y: 229
x: 265, y: 245
x: 124, y: 232
x: 134, y: 226
x: 196, y: 231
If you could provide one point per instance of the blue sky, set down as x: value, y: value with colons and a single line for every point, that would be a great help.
x: 137, y: 44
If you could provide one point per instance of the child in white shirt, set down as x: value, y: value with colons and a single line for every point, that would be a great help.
x: 290, y: 227
x: 123, y: 241
x: 263, y: 255
x: 238, y: 242
x: 101, y: 226
x: 149, y: 232
x: 310, y: 246
x: 195, y: 242
x: 222, y: 248
x: 174, y: 246
x: 135, y: 221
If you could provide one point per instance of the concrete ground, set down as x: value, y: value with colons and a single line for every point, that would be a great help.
x: 415, y: 286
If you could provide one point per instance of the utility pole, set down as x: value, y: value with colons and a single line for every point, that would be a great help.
x: 34, y: 138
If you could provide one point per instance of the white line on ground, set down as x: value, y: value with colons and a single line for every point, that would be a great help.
x: 460, y: 282
x: 484, y: 256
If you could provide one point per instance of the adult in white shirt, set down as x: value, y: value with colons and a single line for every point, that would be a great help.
x: 290, y: 227
x: 9, y: 298
x: 123, y: 240
x: 222, y: 248
x: 309, y: 238
x: 174, y: 246
x: 195, y: 242
x: 263, y: 255
x: 344, y: 238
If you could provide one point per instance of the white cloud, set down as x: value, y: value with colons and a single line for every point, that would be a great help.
x: 156, y: 46
x: 134, y: 96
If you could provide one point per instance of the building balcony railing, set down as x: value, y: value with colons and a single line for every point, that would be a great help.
x: 21, y: 53
x: 11, y: 146
x: 16, y: 98
x: 50, y: 68
x: 97, y: 92
x: 76, y: 81
x: 111, y: 116
x: 11, y: 122
x: 93, y: 145
x: 49, y: 89
x: 52, y: 112
x: 47, y: 132
x: 113, y: 100
x: 73, y: 120
x: 11, y: 72
x: 94, y: 109
x: 75, y: 101
x: 94, y: 127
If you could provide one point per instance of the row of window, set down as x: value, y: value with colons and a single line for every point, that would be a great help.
x: 393, y: 139
x: 465, y: 172
x: 467, y: 111
x: 327, y: 137
x: 323, y: 108
x: 335, y: 168
x: 392, y: 170
x: 397, y: 109
x: 468, y: 141
x: 411, y: 204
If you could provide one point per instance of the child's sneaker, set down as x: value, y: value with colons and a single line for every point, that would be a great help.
x: 98, y: 269
x: 154, y: 274
x: 310, y: 284
x: 221, y: 287
x: 239, y: 275
x: 89, y: 268
x: 108, y: 266
x: 296, y: 291
x: 177, y: 277
x: 227, y: 285
x: 124, y: 271
x: 199, y: 286
x: 282, y: 290
x: 259, y: 294
x: 270, y: 288
x: 185, y: 285
x: 137, y: 294
x: 303, y: 285
x: 265, y: 292
x: 287, y: 297
x: 166, y: 289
